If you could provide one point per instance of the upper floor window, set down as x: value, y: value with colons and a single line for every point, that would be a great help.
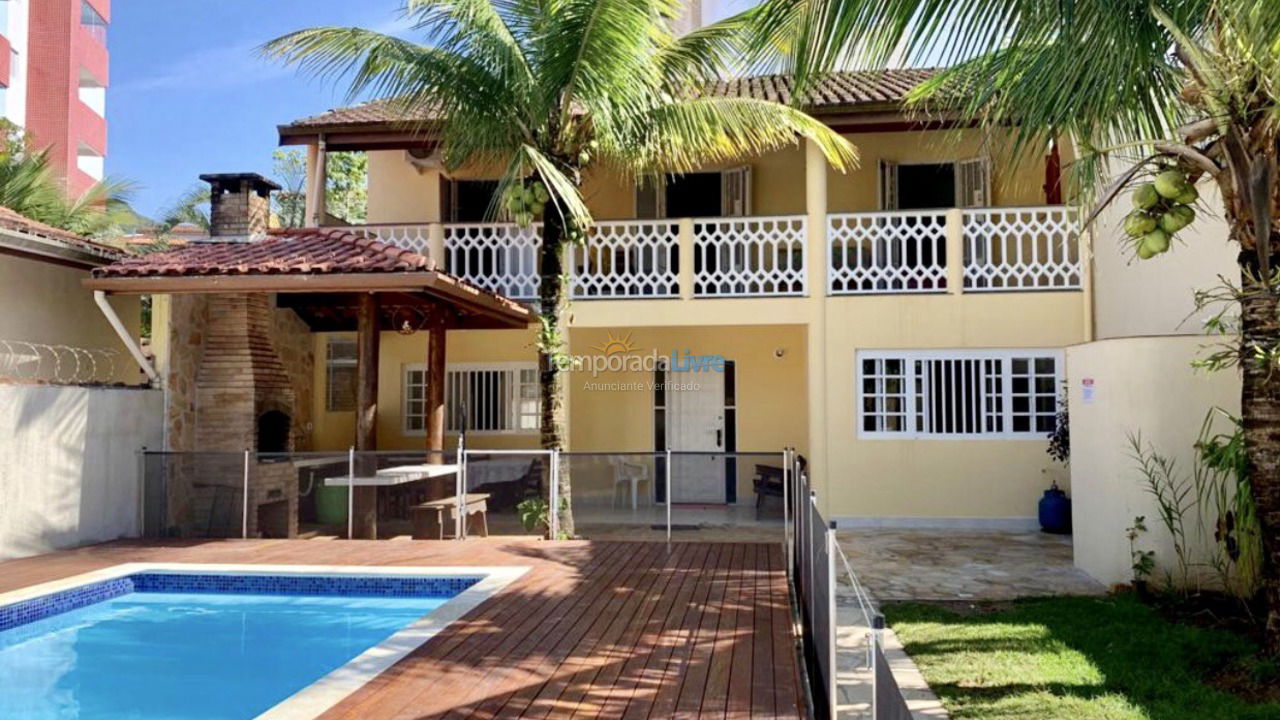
x: 340, y: 375
x: 498, y: 398
x: 958, y: 393
x: 92, y: 22
x: 926, y: 186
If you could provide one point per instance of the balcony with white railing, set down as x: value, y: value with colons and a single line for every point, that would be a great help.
x: 971, y: 250
x: 934, y: 251
x: 750, y: 256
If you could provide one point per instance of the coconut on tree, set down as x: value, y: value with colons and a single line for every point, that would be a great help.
x: 1191, y: 86
x: 549, y: 91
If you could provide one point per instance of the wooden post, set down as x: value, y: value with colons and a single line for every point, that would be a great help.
x: 367, y: 329
x: 435, y: 389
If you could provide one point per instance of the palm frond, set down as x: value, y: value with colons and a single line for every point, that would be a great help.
x: 682, y: 136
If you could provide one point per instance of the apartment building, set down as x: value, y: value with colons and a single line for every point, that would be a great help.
x: 53, y: 78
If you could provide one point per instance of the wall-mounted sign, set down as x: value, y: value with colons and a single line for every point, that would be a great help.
x: 1088, y: 390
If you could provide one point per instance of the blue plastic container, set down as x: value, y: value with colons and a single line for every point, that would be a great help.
x: 1055, y: 511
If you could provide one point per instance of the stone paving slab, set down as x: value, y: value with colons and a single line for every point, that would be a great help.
x: 906, y: 565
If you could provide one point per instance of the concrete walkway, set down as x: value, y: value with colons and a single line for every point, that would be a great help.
x: 948, y: 566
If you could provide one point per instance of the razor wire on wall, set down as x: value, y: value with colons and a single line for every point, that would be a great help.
x: 32, y: 362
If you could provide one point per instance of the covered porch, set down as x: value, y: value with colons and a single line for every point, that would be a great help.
x: 233, y: 343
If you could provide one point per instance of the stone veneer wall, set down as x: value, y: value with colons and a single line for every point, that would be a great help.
x: 292, y: 339
x: 188, y: 320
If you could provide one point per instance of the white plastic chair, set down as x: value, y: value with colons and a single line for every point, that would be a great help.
x: 628, y: 476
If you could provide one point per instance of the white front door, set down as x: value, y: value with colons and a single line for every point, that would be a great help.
x: 696, y: 422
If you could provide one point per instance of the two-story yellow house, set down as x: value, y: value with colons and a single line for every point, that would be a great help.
x: 901, y: 325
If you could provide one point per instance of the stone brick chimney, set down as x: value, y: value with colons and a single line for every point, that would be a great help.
x: 239, y: 205
x: 244, y: 399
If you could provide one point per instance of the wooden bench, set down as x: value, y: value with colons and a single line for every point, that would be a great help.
x: 423, y: 514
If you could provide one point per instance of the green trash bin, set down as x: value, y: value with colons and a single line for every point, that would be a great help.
x: 331, y: 504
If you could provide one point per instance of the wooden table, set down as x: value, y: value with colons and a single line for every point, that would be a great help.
x: 473, y: 504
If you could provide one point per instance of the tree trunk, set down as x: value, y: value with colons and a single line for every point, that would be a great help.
x: 1260, y: 411
x: 553, y: 299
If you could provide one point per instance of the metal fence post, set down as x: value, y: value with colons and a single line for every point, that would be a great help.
x: 351, y: 492
x: 832, y: 618
x: 553, y: 495
x: 788, y: 533
x: 244, y: 515
x: 142, y: 491
x: 670, y: 492
x: 459, y: 507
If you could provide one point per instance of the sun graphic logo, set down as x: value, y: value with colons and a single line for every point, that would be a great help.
x: 615, y: 345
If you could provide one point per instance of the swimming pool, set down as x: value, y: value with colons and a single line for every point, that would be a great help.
x: 190, y: 642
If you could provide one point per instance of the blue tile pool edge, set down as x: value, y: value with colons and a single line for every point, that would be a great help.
x: 23, y: 612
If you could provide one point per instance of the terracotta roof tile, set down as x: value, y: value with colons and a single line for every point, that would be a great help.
x: 842, y: 89
x: 295, y: 251
x: 11, y: 220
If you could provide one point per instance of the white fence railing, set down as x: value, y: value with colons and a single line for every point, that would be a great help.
x: 750, y: 256
x: 887, y: 252
x: 907, y: 251
x: 502, y: 257
x: 414, y: 237
x: 1026, y: 248
x: 628, y: 259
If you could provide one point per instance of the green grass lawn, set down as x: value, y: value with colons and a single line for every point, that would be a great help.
x: 1107, y: 658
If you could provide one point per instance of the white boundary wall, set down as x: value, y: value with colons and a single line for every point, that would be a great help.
x: 1142, y: 385
x: 69, y: 464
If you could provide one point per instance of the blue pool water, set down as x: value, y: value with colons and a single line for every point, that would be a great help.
x: 149, y: 654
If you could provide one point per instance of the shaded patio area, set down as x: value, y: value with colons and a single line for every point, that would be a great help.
x: 595, y: 629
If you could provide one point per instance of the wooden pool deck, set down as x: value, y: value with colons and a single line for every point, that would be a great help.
x: 595, y: 629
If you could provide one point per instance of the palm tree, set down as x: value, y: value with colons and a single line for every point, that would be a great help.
x: 191, y: 208
x: 549, y: 91
x: 1189, y: 86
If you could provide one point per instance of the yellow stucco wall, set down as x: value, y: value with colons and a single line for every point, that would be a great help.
x: 399, y: 193
x: 55, y: 309
x: 935, y: 478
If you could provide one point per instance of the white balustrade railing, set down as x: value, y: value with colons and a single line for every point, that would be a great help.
x: 750, y: 256
x: 413, y: 237
x: 901, y: 251
x: 1004, y: 249
x: 501, y: 257
x: 628, y: 259
x: 1021, y: 248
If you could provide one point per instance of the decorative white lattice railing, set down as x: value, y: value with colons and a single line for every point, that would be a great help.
x: 887, y: 252
x: 628, y: 259
x: 413, y: 237
x: 749, y: 256
x: 501, y: 257
x: 1023, y: 248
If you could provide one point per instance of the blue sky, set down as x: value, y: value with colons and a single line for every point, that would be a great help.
x: 189, y: 95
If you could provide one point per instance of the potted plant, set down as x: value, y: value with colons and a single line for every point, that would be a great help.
x: 1055, y: 506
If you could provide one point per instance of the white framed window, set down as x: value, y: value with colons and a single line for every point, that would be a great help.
x: 340, y: 375
x: 957, y: 393
x: 485, y: 398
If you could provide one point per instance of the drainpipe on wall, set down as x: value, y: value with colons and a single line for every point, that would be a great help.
x: 100, y: 298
